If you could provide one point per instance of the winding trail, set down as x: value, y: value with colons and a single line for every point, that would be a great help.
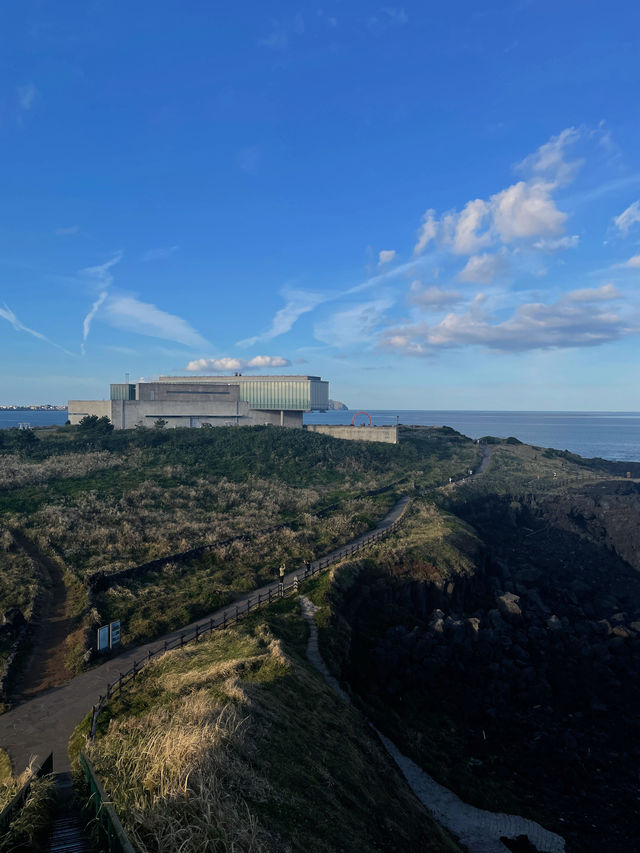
x: 480, y: 830
x: 46, y: 667
x: 45, y: 723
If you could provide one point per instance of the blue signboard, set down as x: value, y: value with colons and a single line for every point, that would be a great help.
x: 103, y: 638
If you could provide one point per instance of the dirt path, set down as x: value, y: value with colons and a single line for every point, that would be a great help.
x: 479, y: 830
x: 46, y: 667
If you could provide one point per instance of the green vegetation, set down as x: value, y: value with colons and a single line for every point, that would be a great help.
x: 161, y: 600
x: 30, y: 828
x: 98, y: 500
x: 238, y: 744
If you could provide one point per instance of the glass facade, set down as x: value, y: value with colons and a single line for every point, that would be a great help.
x: 123, y: 391
x: 292, y: 394
x: 287, y: 393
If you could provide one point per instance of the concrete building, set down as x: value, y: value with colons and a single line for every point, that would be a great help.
x: 191, y: 401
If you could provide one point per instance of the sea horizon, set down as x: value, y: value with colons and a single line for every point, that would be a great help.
x: 595, y: 434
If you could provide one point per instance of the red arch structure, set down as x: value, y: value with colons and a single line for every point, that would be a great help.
x: 353, y: 419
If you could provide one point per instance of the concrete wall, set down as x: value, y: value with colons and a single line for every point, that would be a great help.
x: 386, y: 434
x: 188, y: 410
x: 269, y: 416
x: 79, y: 408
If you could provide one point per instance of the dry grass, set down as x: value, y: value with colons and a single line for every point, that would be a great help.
x: 181, y: 774
x: 16, y: 472
x: 95, y: 531
x: 237, y: 745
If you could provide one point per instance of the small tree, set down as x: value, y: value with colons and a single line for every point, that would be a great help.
x: 26, y: 441
x: 160, y: 423
x: 95, y: 425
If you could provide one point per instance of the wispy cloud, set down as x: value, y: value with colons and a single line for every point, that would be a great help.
x: 427, y: 233
x: 19, y: 326
x: 258, y: 362
x: 431, y: 297
x: 101, y: 273
x: 357, y: 324
x: 298, y: 302
x: 576, y: 320
x: 143, y: 318
x: 483, y: 269
x: 628, y: 218
x: 27, y: 95
x: 102, y: 276
x: 159, y: 254
x: 386, y: 256
x: 549, y: 162
x: 283, y: 31
x: 386, y: 17
x: 557, y: 244
x: 67, y: 231
x: 86, y: 323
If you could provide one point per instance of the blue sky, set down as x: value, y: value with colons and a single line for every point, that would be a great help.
x: 429, y: 205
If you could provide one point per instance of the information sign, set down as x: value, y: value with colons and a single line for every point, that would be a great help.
x: 103, y: 638
x: 115, y: 633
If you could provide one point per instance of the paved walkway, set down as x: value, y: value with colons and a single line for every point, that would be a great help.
x: 479, y: 830
x: 46, y: 722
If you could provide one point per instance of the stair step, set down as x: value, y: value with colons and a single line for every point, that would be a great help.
x: 67, y: 836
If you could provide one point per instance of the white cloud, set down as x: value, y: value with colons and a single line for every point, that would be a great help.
x: 102, y: 272
x: 482, y: 269
x: 101, y: 275
x: 225, y: 363
x: 67, y: 232
x: 159, y: 254
x: 143, y: 318
x: 230, y: 363
x: 431, y: 297
x: 548, y: 162
x: 593, y: 294
x: 427, y: 233
x: 19, y: 326
x: 521, y: 212
x: 86, y: 324
x: 574, y: 321
x: 299, y: 302
x: 474, y: 216
x: 634, y: 262
x: 268, y: 361
x: 386, y: 256
x: 628, y: 218
x: 354, y: 325
x: 526, y: 210
x: 557, y: 243
x: 27, y: 95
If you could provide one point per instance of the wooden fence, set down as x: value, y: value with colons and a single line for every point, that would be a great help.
x: 101, y: 580
x: 234, y: 614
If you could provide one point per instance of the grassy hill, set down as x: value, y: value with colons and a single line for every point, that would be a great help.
x: 238, y: 744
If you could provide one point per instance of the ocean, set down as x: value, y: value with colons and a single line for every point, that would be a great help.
x: 609, y: 435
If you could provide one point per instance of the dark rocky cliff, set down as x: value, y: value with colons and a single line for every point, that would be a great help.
x: 525, y: 672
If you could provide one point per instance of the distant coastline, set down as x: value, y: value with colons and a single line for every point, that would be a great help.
x: 46, y: 407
